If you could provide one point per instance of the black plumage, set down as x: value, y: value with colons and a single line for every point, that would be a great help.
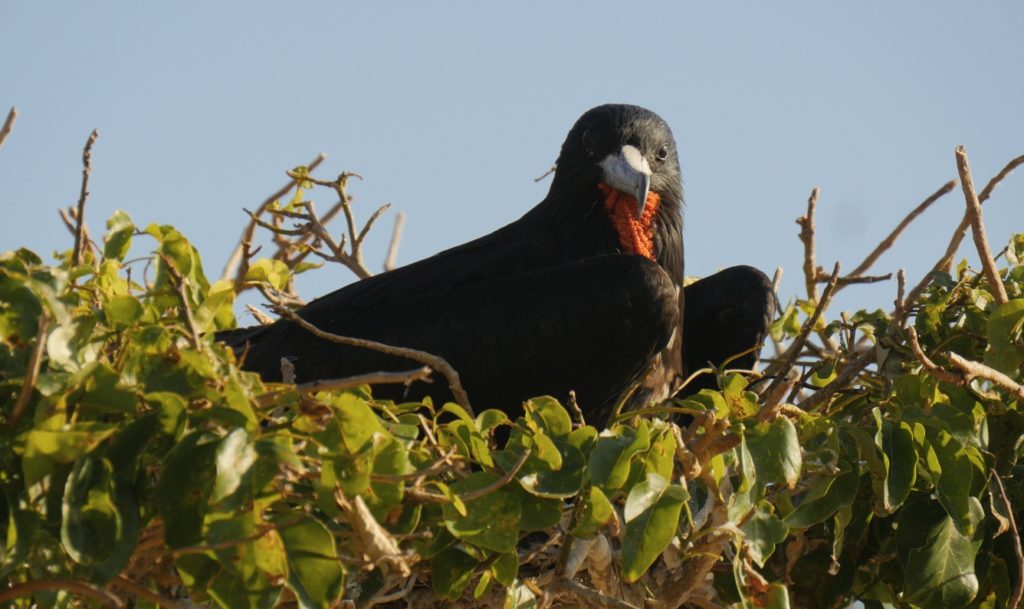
x: 553, y: 302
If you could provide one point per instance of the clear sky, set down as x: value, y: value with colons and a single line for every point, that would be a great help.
x: 449, y: 110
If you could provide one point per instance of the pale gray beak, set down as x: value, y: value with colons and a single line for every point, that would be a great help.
x: 629, y: 172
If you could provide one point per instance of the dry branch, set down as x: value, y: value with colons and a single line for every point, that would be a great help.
x: 972, y: 370
x: 232, y: 268
x: 978, y: 227
x: 372, y: 378
x: 396, y: 238
x: 422, y: 357
x: 80, y: 241
x: 806, y: 223
x: 8, y: 125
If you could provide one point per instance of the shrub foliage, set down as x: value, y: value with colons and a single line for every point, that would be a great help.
x: 139, y: 462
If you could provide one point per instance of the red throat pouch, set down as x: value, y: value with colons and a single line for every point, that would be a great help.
x: 636, y: 236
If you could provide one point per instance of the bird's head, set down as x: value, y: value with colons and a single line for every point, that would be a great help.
x: 625, y: 157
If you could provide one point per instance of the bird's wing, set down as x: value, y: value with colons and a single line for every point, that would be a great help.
x: 592, y: 325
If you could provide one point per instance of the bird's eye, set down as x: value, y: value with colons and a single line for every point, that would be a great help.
x: 662, y: 153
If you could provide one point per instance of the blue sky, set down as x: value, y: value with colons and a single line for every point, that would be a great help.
x: 449, y: 111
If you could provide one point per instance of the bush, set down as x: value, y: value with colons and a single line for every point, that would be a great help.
x: 137, y: 461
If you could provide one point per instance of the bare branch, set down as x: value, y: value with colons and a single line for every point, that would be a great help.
x: 891, y: 239
x: 372, y: 378
x: 369, y: 223
x: 806, y: 223
x: 8, y: 125
x: 587, y: 596
x: 973, y: 369
x: 422, y: 357
x: 34, y: 363
x: 856, y: 279
x: 794, y: 349
x: 945, y: 263
x: 978, y: 227
x: 80, y: 242
x: 232, y: 267
x: 261, y: 318
x: 931, y: 367
x: 396, y: 239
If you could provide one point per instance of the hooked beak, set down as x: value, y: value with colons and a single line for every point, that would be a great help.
x: 629, y: 172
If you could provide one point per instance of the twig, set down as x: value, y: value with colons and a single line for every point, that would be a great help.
x: 891, y: 239
x: 931, y: 367
x: 587, y: 596
x: 855, y: 279
x: 427, y: 359
x: 231, y: 268
x: 372, y: 378
x: 76, y: 587
x: 1018, y: 589
x: 807, y: 237
x: 146, y: 593
x: 973, y: 369
x: 978, y: 228
x: 8, y: 125
x: 794, y: 349
x: 261, y: 318
x: 901, y: 288
x: 79, y: 251
x: 401, y: 593
x: 945, y: 263
x: 500, y: 482
x: 396, y: 239
x: 848, y: 373
x: 194, y: 338
x: 550, y: 171
x: 34, y: 362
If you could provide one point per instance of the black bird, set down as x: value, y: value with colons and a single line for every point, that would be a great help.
x: 581, y: 293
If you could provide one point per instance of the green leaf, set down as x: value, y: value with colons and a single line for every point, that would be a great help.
x: 612, y: 455
x: 42, y: 448
x: 122, y: 311
x: 216, y: 306
x: 775, y: 450
x: 235, y: 457
x: 183, y: 492
x: 1005, y: 345
x: 451, y: 571
x: 762, y: 532
x: 652, y: 517
x: 840, y: 493
x: 491, y: 521
x: 505, y: 568
x: 118, y: 239
x: 954, y: 480
x: 97, y: 529
x: 539, y: 478
x: 547, y: 414
x: 315, y: 573
x: 356, y: 422
x: 940, y: 573
x: 597, y: 511
x: 520, y: 597
x: 899, y: 456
